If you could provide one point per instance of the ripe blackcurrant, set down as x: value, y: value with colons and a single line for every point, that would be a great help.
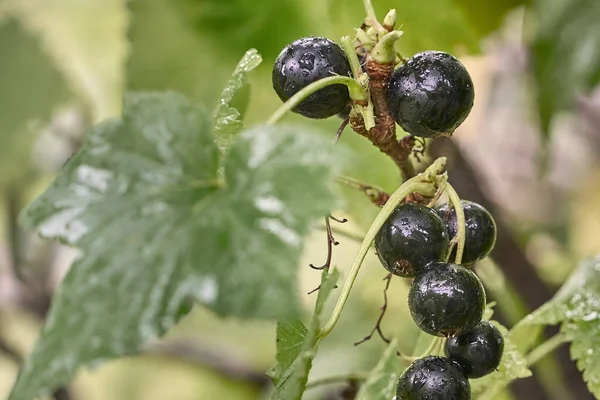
x: 480, y: 230
x: 431, y: 94
x: 446, y: 299
x: 477, y: 351
x: 306, y: 61
x: 433, y: 378
x: 411, y: 237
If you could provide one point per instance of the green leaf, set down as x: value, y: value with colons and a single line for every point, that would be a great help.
x: 227, y: 118
x: 577, y: 307
x: 31, y: 90
x: 427, y: 24
x: 382, y: 381
x: 291, y: 334
x: 87, y: 42
x: 168, y: 54
x: 297, y: 346
x: 236, y: 25
x: 155, y: 228
x: 488, y: 16
x: 566, y: 53
x: 512, y: 366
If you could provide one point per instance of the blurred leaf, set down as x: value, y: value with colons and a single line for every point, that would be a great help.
x: 487, y: 16
x: 577, y: 307
x: 381, y: 384
x: 228, y: 119
x: 427, y: 24
x: 166, y: 53
x: 236, y: 25
x: 512, y: 366
x: 31, y: 89
x: 297, y: 347
x: 566, y: 53
x: 86, y: 40
x: 155, y: 227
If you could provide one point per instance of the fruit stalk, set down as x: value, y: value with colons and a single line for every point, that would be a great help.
x: 424, y: 183
x: 356, y: 91
x: 460, y: 222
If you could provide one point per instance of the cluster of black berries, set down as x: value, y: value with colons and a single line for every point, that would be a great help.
x: 445, y: 299
x: 429, y: 95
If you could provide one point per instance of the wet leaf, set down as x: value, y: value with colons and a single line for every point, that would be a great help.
x: 576, y: 306
x: 297, y: 346
x: 156, y: 226
x: 227, y: 117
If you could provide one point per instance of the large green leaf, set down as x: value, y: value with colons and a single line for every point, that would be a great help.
x: 297, y: 346
x: 566, y: 53
x: 512, y: 366
x: 156, y: 227
x: 577, y: 307
x: 382, y: 381
x: 31, y: 88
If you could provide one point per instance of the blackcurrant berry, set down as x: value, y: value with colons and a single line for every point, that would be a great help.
x: 477, y: 351
x: 480, y: 230
x: 433, y: 378
x: 431, y: 94
x: 411, y: 237
x: 446, y: 299
x: 306, y: 61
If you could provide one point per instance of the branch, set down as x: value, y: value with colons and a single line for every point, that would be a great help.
x: 205, y: 357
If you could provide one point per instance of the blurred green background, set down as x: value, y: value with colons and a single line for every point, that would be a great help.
x: 66, y: 64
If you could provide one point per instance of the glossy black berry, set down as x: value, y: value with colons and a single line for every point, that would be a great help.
x: 480, y: 230
x: 411, y: 237
x: 431, y: 94
x: 433, y: 378
x: 477, y: 351
x: 446, y: 299
x: 306, y: 61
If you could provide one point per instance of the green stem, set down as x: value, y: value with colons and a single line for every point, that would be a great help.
x: 461, y: 229
x: 356, y: 91
x: 352, y: 57
x: 352, y: 376
x: 545, y: 348
x: 415, y: 184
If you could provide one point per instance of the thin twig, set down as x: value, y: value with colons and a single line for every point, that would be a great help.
x: 341, y: 129
x: 330, y: 243
x: 377, y: 328
x: 377, y: 196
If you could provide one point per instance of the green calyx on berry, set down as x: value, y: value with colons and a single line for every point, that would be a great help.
x: 446, y: 299
x: 480, y: 230
x: 431, y: 378
x: 306, y: 61
x: 477, y: 351
x: 411, y: 237
x: 431, y: 94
